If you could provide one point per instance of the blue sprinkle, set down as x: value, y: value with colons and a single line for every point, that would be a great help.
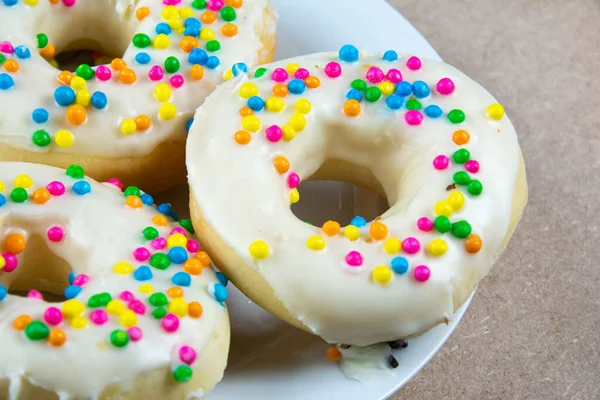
x: 9, y: 3
x: 143, y: 273
x: 182, y: 279
x: 433, y: 111
x: 296, y: 86
x: 163, y: 27
x: 390, y: 55
x: 22, y: 52
x: 82, y: 188
x: 71, y: 278
x: 142, y: 58
x: 6, y: 82
x: 165, y: 209
x: 192, y: 31
x: 198, y: 56
x: 348, y: 53
x: 403, y: 89
x: 64, y: 96
x: 220, y: 292
x: 174, y: 216
x: 99, y: 100
x: 223, y: 280
x: 239, y: 68
x: 3, y: 292
x: 178, y: 255
x: 72, y: 291
x: 358, y: 222
x: 256, y: 103
x: 147, y: 199
x: 2, y: 200
x: 354, y: 94
x: 40, y: 115
x: 213, y: 62
x: 188, y: 125
x: 394, y: 102
x: 420, y: 89
x: 400, y: 265
x: 192, y: 22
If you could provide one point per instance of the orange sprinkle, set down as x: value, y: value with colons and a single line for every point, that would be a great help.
x: 40, y: 196
x: 197, y: 72
x: 15, y: 243
x: 280, y: 90
x: 234, y: 3
x: 142, y: 13
x: 208, y: 17
x: 245, y: 111
x: 159, y: 220
x: 76, y: 114
x: 473, y: 244
x: 351, y: 108
x: 204, y: 258
x: 312, y: 82
x: 193, y: 266
x: 195, y: 309
x: 175, y: 292
x: 142, y: 122
x: 48, y: 52
x: 21, y: 322
x: 127, y: 76
x: 188, y: 43
x: 333, y: 354
x: 11, y: 66
x: 461, y: 137
x: 378, y: 230
x: 331, y: 228
x: 242, y: 137
x: 118, y: 64
x: 281, y: 164
x: 134, y: 202
x: 229, y: 29
x: 64, y: 78
x: 57, y: 337
x: 53, y: 1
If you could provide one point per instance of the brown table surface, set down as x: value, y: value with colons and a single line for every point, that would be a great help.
x: 533, y: 329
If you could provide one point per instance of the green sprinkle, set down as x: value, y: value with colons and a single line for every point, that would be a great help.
x: 85, y: 71
x: 373, y: 94
x: 42, y: 40
x: 228, y: 14
x: 199, y: 4
x: 132, y: 191
x: 160, y: 261
x: 37, y: 330
x: 2, y: 59
x: 213, y: 45
x: 475, y: 187
x: 456, y: 116
x: 187, y: 225
x: 359, y: 84
x: 99, y: 300
x: 150, y: 233
x: 461, y: 229
x: 141, y: 40
x: 158, y: 299
x: 183, y: 374
x: 442, y: 224
x: 41, y: 138
x: 413, y: 104
x: 75, y: 171
x: 461, y: 156
x: 260, y: 72
x: 172, y: 65
x: 461, y: 178
x: 119, y: 338
x: 18, y: 195
x: 159, y: 313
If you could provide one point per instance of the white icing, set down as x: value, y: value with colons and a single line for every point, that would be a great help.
x: 100, y: 230
x: 366, y: 363
x: 113, y: 24
x: 245, y: 199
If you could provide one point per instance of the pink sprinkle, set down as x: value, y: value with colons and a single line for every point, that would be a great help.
x: 302, y: 73
x: 187, y: 355
x: 158, y: 243
x: 126, y: 295
x: 375, y: 75
x: 411, y: 245
x: 425, y: 224
x: 141, y: 254
x: 274, y: 133
x: 192, y: 246
x: 394, y: 75
x: 103, y: 73
x: 413, y: 63
x: 279, y: 75
x: 69, y: 3
x: 176, y: 81
x: 115, y: 182
x: 134, y: 333
x: 441, y: 162
x: 156, y: 73
x: 171, y: 2
x: 56, y: 234
x: 178, y: 230
x: 472, y: 166
x: 137, y: 307
x: 170, y: 323
x: 445, y: 86
x: 6, y: 47
x: 10, y: 262
x: 413, y: 117
x: 53, y: 316
x: 333, y: 69
x: 99, y: 317
x: 81, y: 280
x: 421, y: 273
x: 354, y: 259
x: 215, y: 5
x: 34, y: 294
x: 56, y: 188
x: 293, y: 180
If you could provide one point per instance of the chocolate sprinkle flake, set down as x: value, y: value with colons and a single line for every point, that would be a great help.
x: 392, y: 361
x: 398, y: 344
x: 344, y: 346
x: 451, y: 187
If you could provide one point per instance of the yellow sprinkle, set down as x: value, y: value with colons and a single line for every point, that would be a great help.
x: 63, y: 138
x: 185, y: 13
x: 23, y: 181
x: 288, y: 133
x: 146, y: 288
x: 176, y: 24
x: 79, y: 322
x: 292, y: 68
x: 123, y: 267
x: 294, y: 196
x: 437, y: 247
x: 2, y: 262
x: 115, y: 307
x: 298, y: 122
x: 315, y: 243
x: 259, y: 249
x: 54, y: 63
x: 162, y: 41
x: 162, y: 92
x: 251, y: 123
x: 387, y: 88
x: 78, y: 83
x: 169, y: 12
x: 392, y: 246
x: 128, y: 126
x: 31, y: 3
x: 443, y: 207
x: 382, y: 274
x: 2, y: 186
x: 207, y: 34
x: 176, y: 240
x: 248, y: 90
x: 83, y: 97
x: 167, y: 111
x: 73, y: 308
x: 275, y: 104
x: 303, y: 106
x: 352, y: 232
x: 495, y: 111
x: 178, y: 307
x: 456, y: 200
x: 128, y: 318
x: 227, y: 75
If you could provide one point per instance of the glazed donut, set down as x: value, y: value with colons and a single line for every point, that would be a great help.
x: 142, y: 313
x: 434, y: 143
x: 126, y: 119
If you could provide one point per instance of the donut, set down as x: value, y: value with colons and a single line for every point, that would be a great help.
x: 128, y: 118
x: 435, y: 144
x: 102, y: 295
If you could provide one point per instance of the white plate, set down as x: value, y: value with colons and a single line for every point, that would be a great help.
x: 270, y: 359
